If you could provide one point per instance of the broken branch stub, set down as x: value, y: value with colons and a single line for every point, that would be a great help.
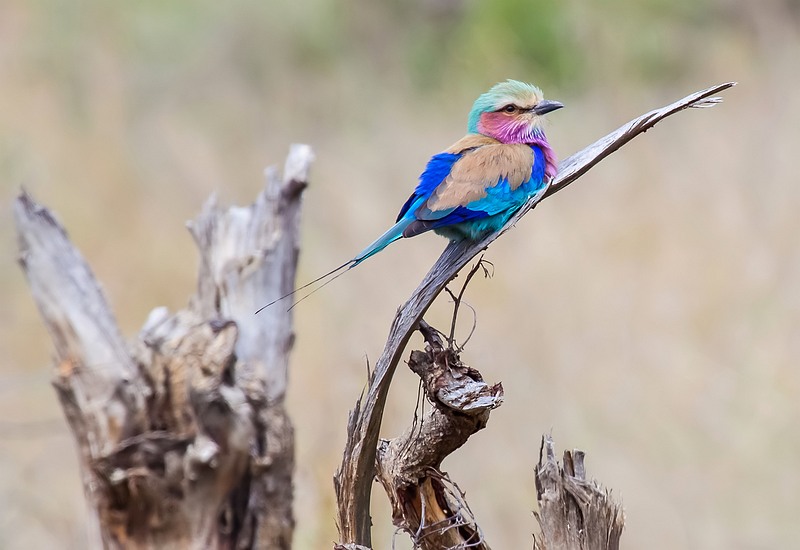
x: 426, y: 504
x: 574, y: 514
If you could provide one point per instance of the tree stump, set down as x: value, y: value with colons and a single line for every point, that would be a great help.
x: 183, y: 437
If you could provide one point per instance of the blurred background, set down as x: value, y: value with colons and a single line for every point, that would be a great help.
x: 650, y: 314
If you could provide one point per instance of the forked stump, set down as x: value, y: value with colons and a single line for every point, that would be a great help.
x: 183, y: 437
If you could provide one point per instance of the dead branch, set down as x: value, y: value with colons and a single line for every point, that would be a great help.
x: 183, y: 438
x: 574, y: 514
x: 354, y: 477
x: 425, y: 502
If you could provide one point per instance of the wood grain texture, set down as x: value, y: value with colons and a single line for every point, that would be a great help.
x: 574, y: 513
x: 426, y: 503
x: 183, y: 436
x: 354, y: 477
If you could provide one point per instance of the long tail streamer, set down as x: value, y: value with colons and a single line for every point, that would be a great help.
x: 337, y: 272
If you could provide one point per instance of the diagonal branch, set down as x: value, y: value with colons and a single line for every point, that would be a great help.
x: 353, y: 480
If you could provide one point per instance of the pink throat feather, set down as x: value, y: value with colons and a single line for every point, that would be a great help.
x: 505, y: 130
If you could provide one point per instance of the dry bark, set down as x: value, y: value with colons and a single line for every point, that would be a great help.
x: 183, y: 437
x: 574, y: 514
x: 425, y: 502
x: 355, y: 474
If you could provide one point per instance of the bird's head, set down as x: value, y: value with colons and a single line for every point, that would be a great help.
x: 511, y: 112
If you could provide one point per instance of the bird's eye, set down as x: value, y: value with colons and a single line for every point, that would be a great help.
x: 510, y: 109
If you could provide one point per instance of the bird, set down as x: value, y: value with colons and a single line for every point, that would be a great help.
x: 473, y: 187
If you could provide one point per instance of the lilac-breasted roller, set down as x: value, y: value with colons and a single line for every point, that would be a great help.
x: 474, y: 186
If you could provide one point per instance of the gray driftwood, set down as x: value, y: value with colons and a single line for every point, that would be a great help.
x: 354, y: 477
x: 574, y: 514
x: 183, y: 438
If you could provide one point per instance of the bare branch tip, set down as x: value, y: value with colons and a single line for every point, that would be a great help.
x: 706, y: 102
x: 26, y: 200
x: 23, y: 194
x: 298, y: 163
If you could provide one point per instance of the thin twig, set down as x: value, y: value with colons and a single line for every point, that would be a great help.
x: 460, y: 348
x: 457, y: 299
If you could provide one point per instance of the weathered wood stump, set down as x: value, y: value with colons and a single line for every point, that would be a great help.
x: 183, y: 437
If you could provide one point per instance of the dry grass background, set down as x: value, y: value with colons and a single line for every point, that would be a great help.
x: 650, y: 314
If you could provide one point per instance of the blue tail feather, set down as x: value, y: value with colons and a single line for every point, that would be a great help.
x: 394, y: 233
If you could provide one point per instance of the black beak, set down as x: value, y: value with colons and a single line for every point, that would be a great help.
x: 545, y: 106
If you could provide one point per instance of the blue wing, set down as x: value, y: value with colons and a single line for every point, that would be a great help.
x: 490, y: 212
x: 437, y: 169
x: 496, y: 200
